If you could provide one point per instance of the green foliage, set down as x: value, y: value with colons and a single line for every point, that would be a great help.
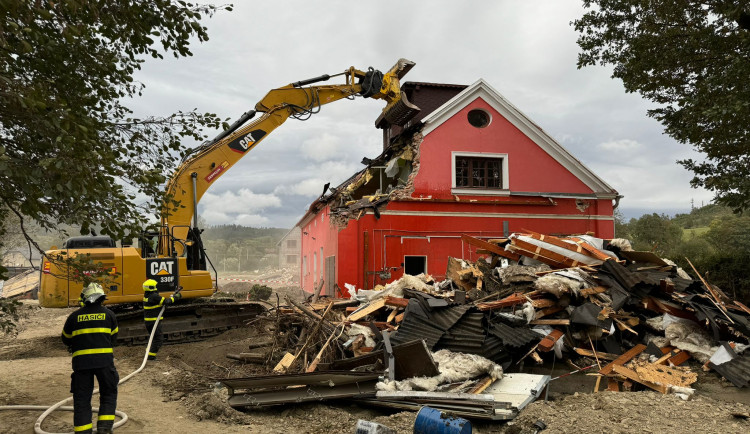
x: 8, y: 315
x: 692, y: 58
x: 70, y: 150
x: 720, y: 252
x: 656, y: 233
x: 701, y: 217
x: 260, y: 292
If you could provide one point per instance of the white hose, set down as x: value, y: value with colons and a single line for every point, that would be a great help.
x: 59, y: 406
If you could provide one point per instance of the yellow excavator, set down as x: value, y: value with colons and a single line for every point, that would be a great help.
x: 174, y: 255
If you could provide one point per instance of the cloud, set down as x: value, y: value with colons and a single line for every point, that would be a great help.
x: 251, y: 220
x: 525, y: 50
x: 241, y: 201
x: 621, y: 146
x: 321, y: 148
x: 309, y: 187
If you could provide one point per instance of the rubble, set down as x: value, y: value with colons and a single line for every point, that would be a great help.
x: 636, y: 321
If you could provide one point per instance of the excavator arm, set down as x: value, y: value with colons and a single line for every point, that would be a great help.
x: 208, y: 162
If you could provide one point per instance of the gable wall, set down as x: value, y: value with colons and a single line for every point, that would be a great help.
x: 530, y: 169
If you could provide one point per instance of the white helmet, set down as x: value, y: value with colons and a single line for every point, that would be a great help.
x: 92, y: 293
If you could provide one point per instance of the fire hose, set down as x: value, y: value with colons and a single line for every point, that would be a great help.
x: 60, y: 405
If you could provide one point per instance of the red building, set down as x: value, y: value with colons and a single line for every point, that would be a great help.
x: 469, y: 163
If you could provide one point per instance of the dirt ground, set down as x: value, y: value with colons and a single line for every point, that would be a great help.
x: 180, y: 393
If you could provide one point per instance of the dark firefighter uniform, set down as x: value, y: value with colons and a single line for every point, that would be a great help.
x: 152, y: 304
x: 90, y: 333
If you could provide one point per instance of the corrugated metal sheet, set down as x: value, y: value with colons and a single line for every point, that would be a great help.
x: 736, y: 370
x: 467, y: 336
x: 493, y: 349
x: 514, y: 336
x: 628, y: 279
x: 414, y: 328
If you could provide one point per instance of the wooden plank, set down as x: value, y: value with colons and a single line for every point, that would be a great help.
x: 391, y: 316
x: 511, y: 300
x: 548, y: 342
x: 399, y: 317
x: 679, y: 359
x: 626, y: 357
x: 591, y: 291
x: 541, y: 313
x: 370, y: 308
x: 544, y: 255
x: 589, y: 353
x: 476, y: 242
x: 579, y: 246
x: 613, y: 385
x: 543, y: 302
x: 632, y: 375
x: 285, y: 363
x: 396, y: 301
x: 663, y: 359
x: 742, y: 306
x: 481, y: 385
x: 550, y: 322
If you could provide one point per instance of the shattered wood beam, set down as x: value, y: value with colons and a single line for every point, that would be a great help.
x: 370, y: 308
x: 578, y: 247
x: 317, y: 291
x: 550, y: 258
x: 588, y: 353
x: 396, y: 301
x: 476, y: 242
x: 548, y: 342
x: 327, y: 326
x: 310, y: 337
x: 511, y: 300
x: 550, y: 322
x: 633, y: 376
x: 626, y: 357
x: 715, y: 298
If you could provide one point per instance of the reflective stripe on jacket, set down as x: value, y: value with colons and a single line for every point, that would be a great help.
x: 152, y: 303
x: 91, y: 332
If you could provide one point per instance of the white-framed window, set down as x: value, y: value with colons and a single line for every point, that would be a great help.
x: 480, y: 173
x: 321, y: 262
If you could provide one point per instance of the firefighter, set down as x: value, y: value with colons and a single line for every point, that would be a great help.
x: 152, y: 303
x: 90, y: 333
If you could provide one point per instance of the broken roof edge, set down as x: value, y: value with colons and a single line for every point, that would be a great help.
x: 482, y: 89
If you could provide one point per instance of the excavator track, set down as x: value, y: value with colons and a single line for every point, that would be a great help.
x: 188, y: 322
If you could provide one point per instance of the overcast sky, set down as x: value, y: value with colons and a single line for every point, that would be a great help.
x: 524, y: 49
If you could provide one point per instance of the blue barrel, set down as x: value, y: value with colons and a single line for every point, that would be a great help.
x: 433, y: 421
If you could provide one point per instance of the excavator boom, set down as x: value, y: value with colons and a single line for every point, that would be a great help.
x: 179, y: 257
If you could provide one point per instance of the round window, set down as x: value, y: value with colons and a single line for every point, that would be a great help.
x: 479, y: 118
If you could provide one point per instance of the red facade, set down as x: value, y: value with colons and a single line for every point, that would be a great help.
x: 542, y: 188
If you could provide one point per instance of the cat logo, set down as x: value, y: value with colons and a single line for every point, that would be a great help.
x: 164, y: 271
x: 247, y: 141
x: 161, y: 268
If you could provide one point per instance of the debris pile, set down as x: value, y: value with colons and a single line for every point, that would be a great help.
x: 458, y: 345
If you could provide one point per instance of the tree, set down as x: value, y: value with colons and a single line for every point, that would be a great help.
x: 70, y: 150
x: 656, y: 233
x: 692, y: 58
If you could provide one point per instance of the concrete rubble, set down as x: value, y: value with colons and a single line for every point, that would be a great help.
x: 459, y: 345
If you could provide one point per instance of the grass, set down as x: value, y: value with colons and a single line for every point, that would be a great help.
x: 693, y: 233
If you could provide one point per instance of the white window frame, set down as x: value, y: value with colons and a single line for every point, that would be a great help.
x: 505, y: 191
